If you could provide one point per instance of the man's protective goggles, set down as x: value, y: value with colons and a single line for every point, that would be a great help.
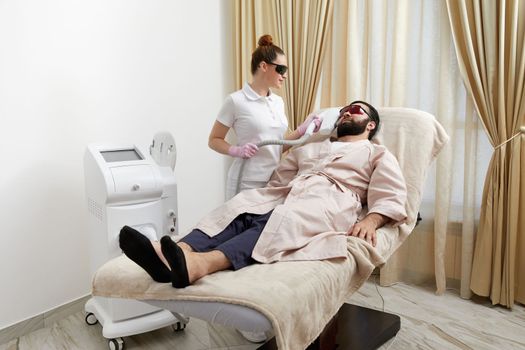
x: 354, y: 109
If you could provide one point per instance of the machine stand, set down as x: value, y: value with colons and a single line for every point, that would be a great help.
x: 353, y: 328
x: 114, y: 331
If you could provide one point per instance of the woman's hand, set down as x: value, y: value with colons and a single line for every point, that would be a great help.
x: 312, y: 118
x: 245, y: 151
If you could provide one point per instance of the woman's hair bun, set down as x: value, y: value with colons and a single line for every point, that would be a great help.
x: 266, y: 51
x: 265, y: 40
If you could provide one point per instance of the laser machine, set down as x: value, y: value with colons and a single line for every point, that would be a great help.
x: 127, y: 186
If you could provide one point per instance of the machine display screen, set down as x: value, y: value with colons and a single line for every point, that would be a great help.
x: 123, y: 155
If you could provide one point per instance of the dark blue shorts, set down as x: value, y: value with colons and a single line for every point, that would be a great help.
x: 236, y: 241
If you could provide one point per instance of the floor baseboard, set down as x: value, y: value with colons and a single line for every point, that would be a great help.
x: 42, y: 320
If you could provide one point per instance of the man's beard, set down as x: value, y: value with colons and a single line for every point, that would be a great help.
x: 351, y: 127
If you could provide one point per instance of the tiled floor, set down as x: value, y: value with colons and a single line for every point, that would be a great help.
x: 428, y: 321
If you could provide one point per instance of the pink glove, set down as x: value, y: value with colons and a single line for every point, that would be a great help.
x: 312, y: 118
x: 245, y: 151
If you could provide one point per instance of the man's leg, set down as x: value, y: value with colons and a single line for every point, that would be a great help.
x: 187, y: 267
x: 148, y: 254
x: 239, y: 249
x: 198, y: 241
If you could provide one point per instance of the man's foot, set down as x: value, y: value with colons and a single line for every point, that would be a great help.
x: 177, y: 261
x: 138, y: 248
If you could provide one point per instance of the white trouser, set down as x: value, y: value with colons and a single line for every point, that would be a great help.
x: 231, y: 186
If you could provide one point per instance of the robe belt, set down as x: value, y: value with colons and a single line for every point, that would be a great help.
x: 337, y: 184
x: 340, y: 186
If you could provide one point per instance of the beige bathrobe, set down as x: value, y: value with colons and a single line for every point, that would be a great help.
x: 316, y: 195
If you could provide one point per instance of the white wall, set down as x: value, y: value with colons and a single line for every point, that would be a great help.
x: 76, y: 72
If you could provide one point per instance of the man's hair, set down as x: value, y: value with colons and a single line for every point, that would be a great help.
x: 374, y: 115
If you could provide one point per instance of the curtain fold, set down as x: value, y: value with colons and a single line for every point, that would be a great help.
x: 252, y: 20
x: 469, y: 197
x: 401, y: 53
x: 301, y: 29
x: 489, y: 39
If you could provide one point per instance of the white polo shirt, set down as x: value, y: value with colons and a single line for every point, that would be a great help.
x: 255, y: 118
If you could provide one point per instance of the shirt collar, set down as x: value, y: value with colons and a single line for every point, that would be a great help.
x: 252, y: 95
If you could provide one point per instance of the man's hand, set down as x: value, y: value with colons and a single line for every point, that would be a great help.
x: 366, y: 229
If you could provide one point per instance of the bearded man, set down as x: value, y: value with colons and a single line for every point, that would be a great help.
x: 313, y: 201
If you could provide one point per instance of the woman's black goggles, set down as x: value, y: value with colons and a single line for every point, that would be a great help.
x: 279, y: 68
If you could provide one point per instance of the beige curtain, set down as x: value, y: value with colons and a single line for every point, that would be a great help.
x: 300, y: 28
x: 252, y: 20
x: 401, y: 53
x: 490, y: 42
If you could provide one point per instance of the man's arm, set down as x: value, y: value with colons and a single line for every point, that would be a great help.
x: 366, y: 228
x: 387, y: 192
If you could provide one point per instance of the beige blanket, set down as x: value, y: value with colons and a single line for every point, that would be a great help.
x: 299, y: 298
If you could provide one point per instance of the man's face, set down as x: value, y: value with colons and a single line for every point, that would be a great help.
x: 353, y: 120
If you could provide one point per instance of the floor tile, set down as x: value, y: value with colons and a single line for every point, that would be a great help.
x: 428, y: 321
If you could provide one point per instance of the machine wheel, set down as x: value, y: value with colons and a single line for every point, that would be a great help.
x: 116, y: 344
x: 179, y: 326
x: 91, y: 319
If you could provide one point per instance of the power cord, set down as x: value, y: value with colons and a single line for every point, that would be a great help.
x: 378, y: 292
x: 383, y: 306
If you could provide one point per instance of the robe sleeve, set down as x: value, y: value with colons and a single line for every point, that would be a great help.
x: 387, y: 193
x: 285, y: 171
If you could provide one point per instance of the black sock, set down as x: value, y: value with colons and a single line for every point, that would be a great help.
x: 175, y: 256
x: 138, y: 248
